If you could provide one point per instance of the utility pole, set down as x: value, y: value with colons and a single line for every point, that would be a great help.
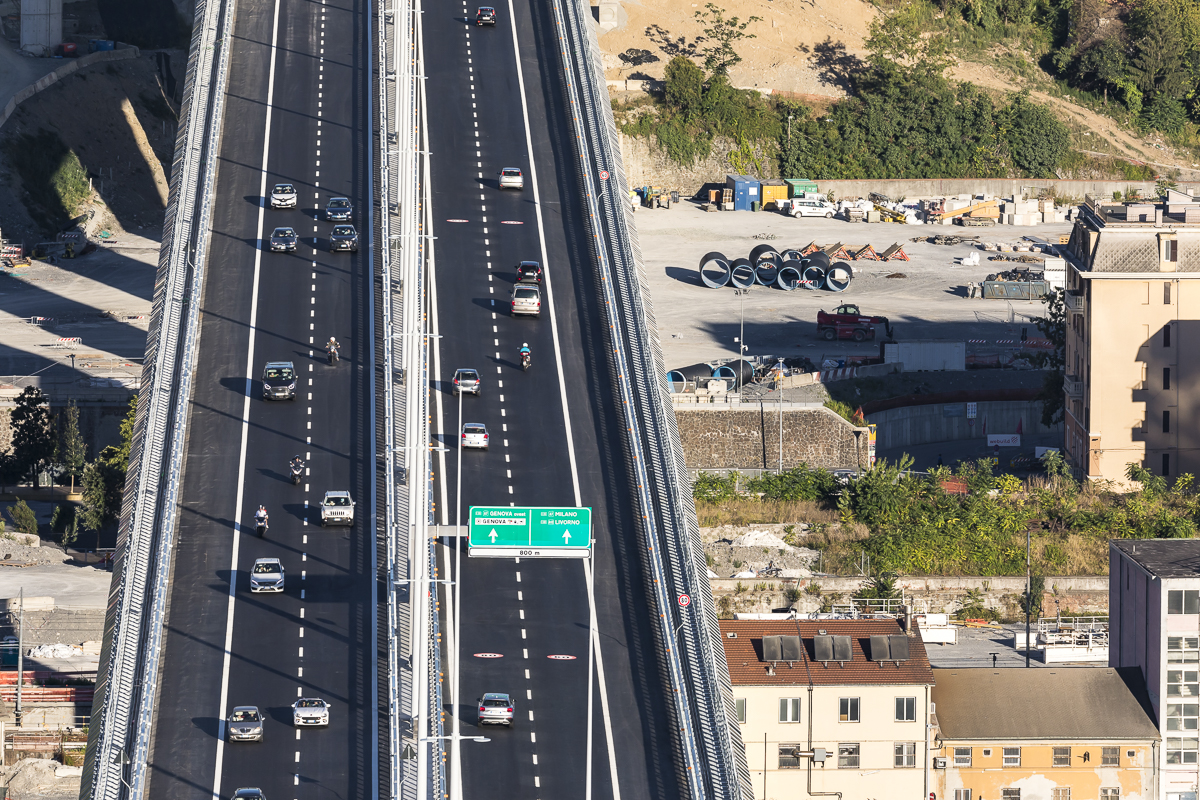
x: 1028, y: 592
x: 779, y: 377
x: 20, y: 658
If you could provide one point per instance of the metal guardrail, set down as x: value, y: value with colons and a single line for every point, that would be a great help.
x: 415, y: 726
x: 123, y: 711
x: 714, y: 760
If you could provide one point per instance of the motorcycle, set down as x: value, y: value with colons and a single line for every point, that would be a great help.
x: 260, y: 527
x: 525, y: 361
x: 332, y: 352
x: 297, y: 470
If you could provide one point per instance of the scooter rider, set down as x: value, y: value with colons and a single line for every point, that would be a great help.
x: 260, y: 518
x: 525, y: 354
x: 331, y: 347
x: 297, y: 466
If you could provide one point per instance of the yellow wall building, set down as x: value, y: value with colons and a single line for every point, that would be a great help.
x: 1074, y: 733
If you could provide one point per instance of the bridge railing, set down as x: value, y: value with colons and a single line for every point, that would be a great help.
x: 714, y: 764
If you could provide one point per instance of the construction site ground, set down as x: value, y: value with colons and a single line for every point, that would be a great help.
x: 924, y: 298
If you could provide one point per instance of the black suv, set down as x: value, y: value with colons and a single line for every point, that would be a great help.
x: 279, y: 381
x: 344, y: 237
x: 529, y: 272
x: 486, y: 15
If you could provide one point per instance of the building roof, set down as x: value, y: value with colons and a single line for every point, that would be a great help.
x: 1077, y: 703
x: 1163, y: 558
x: 744, y: 653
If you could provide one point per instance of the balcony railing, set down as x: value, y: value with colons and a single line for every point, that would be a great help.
x: 1073, y: 386
x: 1074, y: 301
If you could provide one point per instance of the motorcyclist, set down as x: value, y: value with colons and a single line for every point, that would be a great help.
x: 331, y: 347
x: 525, y: 353
x: 260, y: 518
x: 297, y: 466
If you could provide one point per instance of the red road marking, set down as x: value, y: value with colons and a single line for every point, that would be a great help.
x: 511, y: 222
x: 562, y: 658
x: 488, y: 655
x: 458, y: 220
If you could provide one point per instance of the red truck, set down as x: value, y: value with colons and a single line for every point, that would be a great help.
x: 847, y: 322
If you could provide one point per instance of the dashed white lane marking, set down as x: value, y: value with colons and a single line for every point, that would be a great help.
x: 302, y: 613
x: 521, y: 612
x: 299, y: 672
x: 297, y: 756
x: 297, y: 734
x: 531, y: 716
x: 522, y: 633
x: 302, y: 652
x: 535, y: 759
x: 302, y: 633
x: 299, y: 693
x: 518, y: 577
x: 520, y: 597
x: 525, y: 654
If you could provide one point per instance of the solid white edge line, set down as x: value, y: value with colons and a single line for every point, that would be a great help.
x: 237, y: 510
x: 370, y: 348
x: 594, y: 642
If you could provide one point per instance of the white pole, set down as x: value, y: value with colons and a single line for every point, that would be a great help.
x: 456, y: 703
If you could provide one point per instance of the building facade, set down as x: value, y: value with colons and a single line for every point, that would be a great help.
x: 857, y: 689
x: 1069, y: 733
x: 1154, y: 613
x: 1132, y: 299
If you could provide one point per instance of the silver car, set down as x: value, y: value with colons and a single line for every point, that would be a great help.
x: 249, y: 794
x: 337, y: 509
x: 283, y: 196
x: 467, y: 381
x: 496, y: 708
x: 245, y: 724
x: 340, y: 209
x: 309, y: 711
x: 284, y: 240
x: 511, y: 178
x: 266, y: 575
x: 474, y: 435
x: 527, y: 300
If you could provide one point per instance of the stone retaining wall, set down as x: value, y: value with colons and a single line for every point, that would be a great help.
x: 747, y: 437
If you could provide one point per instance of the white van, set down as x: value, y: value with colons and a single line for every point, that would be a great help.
x: 811, y: 207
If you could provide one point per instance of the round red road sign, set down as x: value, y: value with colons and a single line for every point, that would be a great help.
x: 562, y: 658
x: 488, y: 655
x: 603, y: 174
x: 458, y: 220
x: 684, y: 600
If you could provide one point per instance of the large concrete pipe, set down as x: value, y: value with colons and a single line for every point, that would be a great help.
x: 790, y: 275
x: 738, y: 372
x: 838, y: 278
x: 741, y: 274
x: 714, y: 270
x: 813, y: 277
x: 762, y: 252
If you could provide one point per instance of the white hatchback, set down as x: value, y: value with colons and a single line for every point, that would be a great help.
x: 474, y: 436
x: 511, y: 178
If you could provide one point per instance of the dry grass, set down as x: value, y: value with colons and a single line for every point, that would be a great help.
x: 752, y: 511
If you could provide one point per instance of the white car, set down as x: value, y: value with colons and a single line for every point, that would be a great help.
x: 511, y: 178
x: 266, y: 575
x: 811, y: 207
x: 309, y: 711
x: 283, y: 196
x: 337, y: 509
x: 474, y: 436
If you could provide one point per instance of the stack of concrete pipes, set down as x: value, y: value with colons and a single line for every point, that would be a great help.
x: 767, y: 266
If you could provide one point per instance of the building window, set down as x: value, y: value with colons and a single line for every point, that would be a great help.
x: 789, y: 756
x: 1166, y: 378
x: 962, y: 794
x: 1170, y: 250
x: 1183, y: 683
x: 1166, y: 293
x: 1062, y: 756
x: 1110, y: 756
x: 1166, y: 335
x: 1010, y: 794
x: 906, y: 709
x: 789, y: 709
x: 1166, y: 422
x: 1183, y: 601
x: 848, y: 756
x: 1182, y: 750
x: 962, y: 756
x: 1183, y: 650
x: 1060, y: 793
x: 848, y: 710
x: 1012, y: 756
x: 739, y: 703
x: 1166, y: 470
x: 1182, y: 716
x: 905, y: 754
x: 1110, y: 792
x: 987, y: 752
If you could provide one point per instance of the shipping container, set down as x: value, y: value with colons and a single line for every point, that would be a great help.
x: 935, y: 355
x: 745, y: 190
x: 774, y: 191
x: 798, y: 186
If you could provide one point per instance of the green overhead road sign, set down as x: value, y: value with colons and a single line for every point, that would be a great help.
x: 508, y: 532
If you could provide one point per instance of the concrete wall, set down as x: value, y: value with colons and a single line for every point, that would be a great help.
x: 747, y: 437
x: 1086, y: 595
x: 947, y: 422
x: 69, y: 65
x: 41, y: 23
x: 997, y: 187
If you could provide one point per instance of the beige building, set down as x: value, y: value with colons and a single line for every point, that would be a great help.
x: 857, y: 689
x: 1068, y: 733
x: 1133, y: 306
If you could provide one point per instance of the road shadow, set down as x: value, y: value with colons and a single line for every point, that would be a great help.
x: 209, y: 726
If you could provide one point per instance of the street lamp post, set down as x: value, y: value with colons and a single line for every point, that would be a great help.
x: 741, y: 293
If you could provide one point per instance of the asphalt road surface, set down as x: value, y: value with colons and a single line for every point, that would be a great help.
x: 296, y: 111
x: 496, y: 100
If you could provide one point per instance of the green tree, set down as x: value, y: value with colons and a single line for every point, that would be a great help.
x: 900, y: 45
x: 1054, y: 327
x: 10, y: 471
x: 103, y: 489
x: 121, y: 458
x: 1159, y: 49
x: 33, y: 441
x: 721, y: 36
x: 1037, y: 141
x: 72, y: 452
x: 684, y: 87
x: 23, y: 517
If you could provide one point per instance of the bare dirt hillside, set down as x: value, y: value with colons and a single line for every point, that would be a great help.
x: 801, y: 46
x: 807, y: 47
